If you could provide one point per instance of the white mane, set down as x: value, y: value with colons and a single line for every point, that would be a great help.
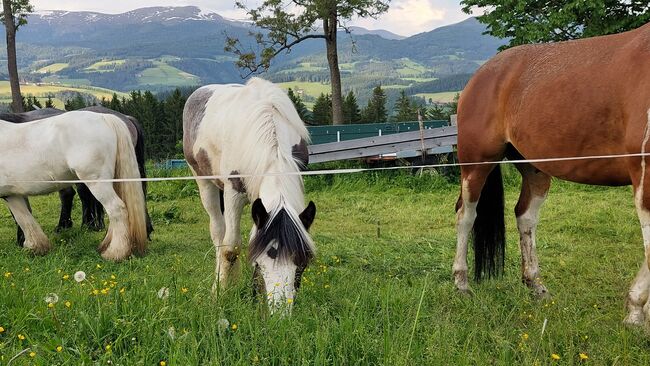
x: 259, y: 127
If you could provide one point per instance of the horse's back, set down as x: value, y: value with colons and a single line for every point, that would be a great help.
x: 228, y: 122
x: 575, y: 98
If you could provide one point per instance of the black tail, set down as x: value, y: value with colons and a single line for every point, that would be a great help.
x: 489, y: 229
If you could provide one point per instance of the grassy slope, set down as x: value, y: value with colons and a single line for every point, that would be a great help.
x: 164, y: 74
x: 360, y: 301
x: 53, y: 68
x: 45, y: 90
x: 443, y: 97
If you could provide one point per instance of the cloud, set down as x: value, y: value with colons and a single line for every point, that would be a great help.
x: 408, y: 17
x: 405, y: 17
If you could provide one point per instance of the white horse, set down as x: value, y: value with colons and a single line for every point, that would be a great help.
x: 74, y: 145
x: 252, y: 131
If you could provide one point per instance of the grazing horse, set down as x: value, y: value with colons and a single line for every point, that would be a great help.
x: 586, y: 97
x: 253, y: 134
x: 92, y: 210
x: 74, y: 145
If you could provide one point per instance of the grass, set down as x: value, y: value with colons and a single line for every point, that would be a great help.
x: 379, y: 292
x: 104, y: 65
x: 53, y: 68
x: 310, y: 88
x: 164, y: 74
x: 44, y: 90
x: 443, y: 97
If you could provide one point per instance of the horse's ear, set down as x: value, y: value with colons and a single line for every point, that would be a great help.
x: 260, y: 216
x: 308, y: 215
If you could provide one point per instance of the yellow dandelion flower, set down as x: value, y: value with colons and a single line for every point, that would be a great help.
x: 32, y: 354
x: 2, y: 330
x: 59, y: 348
x: 524, y: 336
x: 68, y: 304
x: 289, y: 301
x: 234, y: 326
x: 184, y: 290
x: 26, y: 269
x: 108, y: 348
x: 65, y: 276
x: 163, y: 363
x: 99, y: 266
x: 50, y: 305
x: 7, y: 274
x: 555, y: 356
x: 113, y: 277
x: 104, y: 291
x: 21, y: 337
x: 583, y: 356
x: 122, y: 290
x: 95, y: 292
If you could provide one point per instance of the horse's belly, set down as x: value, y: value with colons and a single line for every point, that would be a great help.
x: 605, y: 172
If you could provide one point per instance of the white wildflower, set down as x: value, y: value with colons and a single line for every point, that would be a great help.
x: 223, y: 324
x: 80, y: 276
x: 52, y: 298
x: 163, y: 293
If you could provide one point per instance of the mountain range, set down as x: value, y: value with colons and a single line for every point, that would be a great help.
x: 161, y: 47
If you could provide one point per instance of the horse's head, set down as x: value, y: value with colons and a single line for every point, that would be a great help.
x: 280, y: 249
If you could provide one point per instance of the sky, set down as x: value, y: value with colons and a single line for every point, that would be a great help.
x: 405, y: 17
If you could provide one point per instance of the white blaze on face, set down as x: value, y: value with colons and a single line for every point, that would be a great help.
x: 279, y: 277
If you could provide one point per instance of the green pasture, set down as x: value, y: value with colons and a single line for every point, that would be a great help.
x: 43, y: 90
x: 104, y: 65
x: 443, y: 97
x: 53, y: 68
x: 378, y: 293
x: 163, y: 74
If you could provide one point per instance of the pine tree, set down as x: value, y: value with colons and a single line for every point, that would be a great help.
x: 375, y: 111
x: 351, y: 112
x: 302, y: 110
x: 406, y: 110
x: 322, y: 113
x: 49, y: 103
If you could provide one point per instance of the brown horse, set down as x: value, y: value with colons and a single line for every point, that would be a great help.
x: 569, y: 99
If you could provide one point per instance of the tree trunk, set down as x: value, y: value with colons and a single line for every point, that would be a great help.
x: 330, y: 27
x: 10, y: 30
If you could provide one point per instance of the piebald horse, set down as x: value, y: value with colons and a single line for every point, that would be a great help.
x: 253, y: 132
x: 578, y: 98
x: 75, y: 145
x: 92, y: 210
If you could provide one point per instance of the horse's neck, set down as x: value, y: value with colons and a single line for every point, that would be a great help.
x: 282, y: 191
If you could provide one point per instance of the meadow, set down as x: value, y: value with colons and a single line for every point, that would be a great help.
x: 379, y: 292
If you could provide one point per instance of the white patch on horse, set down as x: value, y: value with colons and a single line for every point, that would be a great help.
x: 464, y: 223
x: 527, y: 225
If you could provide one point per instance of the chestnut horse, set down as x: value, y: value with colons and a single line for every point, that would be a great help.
x: 570, y: 99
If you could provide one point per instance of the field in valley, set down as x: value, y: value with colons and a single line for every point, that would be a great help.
x: 379, y: 292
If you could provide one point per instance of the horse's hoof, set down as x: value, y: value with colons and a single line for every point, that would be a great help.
x: 541, y: 293
x: 465, y: 292
x: 634, y: 319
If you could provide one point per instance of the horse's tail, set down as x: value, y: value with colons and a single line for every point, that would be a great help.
x: 489, y: 228
x: 131, y: 193
x: 139, y: 155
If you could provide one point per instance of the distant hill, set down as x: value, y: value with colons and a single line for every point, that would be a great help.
x: 161, y: 47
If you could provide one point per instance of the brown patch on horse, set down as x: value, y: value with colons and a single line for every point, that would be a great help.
x: 231, y: 256
x: 301, y: 154
x: 237, y: 183
x: 193, y: 114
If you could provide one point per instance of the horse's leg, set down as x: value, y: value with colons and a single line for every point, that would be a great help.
x: 213, y: 206
x: 35, y: 238
x: 228, y: 252
x: 20, y: 235
x: 638, y: 295
x: 116, y: 245
x: 92, y: 209
x: 66, y: 196
x: 472, y: 180
x: 534, y: 187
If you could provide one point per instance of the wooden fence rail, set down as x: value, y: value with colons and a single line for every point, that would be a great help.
x: 380, y: 145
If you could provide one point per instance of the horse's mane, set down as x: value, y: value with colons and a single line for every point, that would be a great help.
x: 273, y: 128
x: 294, y: 244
